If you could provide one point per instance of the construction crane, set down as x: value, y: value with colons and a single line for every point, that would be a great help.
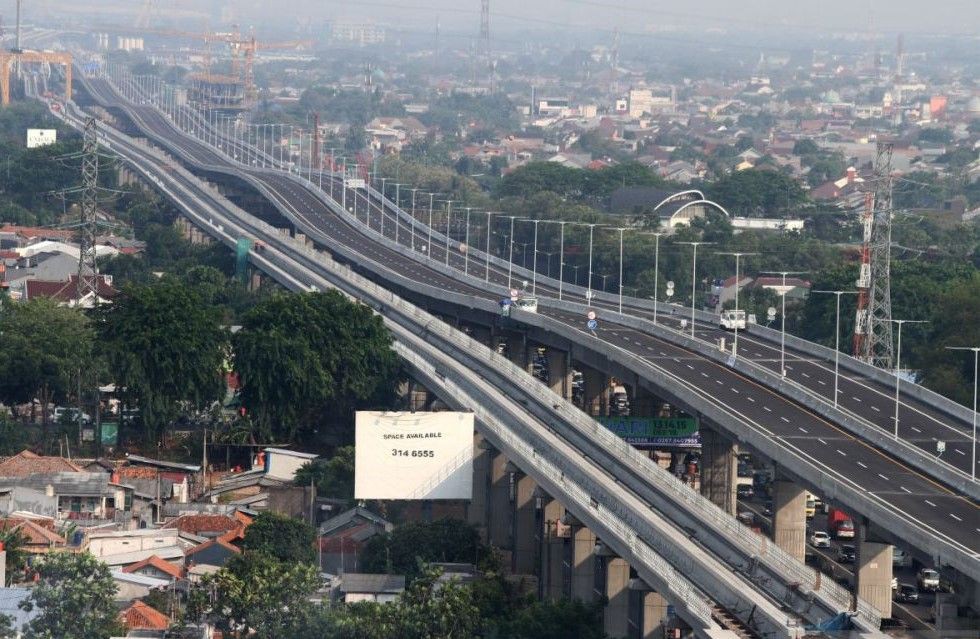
x: 19, y: 55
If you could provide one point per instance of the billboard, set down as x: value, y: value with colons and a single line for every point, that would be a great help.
x: 654, y: 431
x: 41, y: 137
x: 413, y: 455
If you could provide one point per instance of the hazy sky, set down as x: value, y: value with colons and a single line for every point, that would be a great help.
x: 630, y: 16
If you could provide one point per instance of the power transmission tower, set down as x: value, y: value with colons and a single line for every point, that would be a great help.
x: 87, y: 223
x: 483, y: 48
x: 877, y: 342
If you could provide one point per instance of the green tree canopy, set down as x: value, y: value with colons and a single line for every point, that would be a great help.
x: 401, y: 550
x: 757, y: 193
x: 310, y: 358
x: 282, y: 537
x: 333, y: 477
x: 44, y: 349
x: 74, y: 596
x: 164, y: 346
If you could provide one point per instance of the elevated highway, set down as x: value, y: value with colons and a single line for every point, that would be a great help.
x: 703, y: 561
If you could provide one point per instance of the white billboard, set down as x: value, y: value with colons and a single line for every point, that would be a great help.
x: 41, y: 137
x: 413, y: 455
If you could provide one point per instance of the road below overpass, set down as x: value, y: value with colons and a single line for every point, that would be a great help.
x: 916, y: 499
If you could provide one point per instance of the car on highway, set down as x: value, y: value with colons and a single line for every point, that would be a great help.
x: 906, y: 593
x: 820, y: 539
x: 744, y: 490
x: 928, y: 579
x: 846, y: 554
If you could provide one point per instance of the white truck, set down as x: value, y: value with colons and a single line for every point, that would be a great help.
x: 731, y: 319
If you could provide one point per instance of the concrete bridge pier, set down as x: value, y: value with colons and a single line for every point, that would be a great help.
x: 560, y: 372
x: 596, y: 392
x: 478, y: 508
x: 648, y: 610
x: 525, y: 532
x: 789, y: 517
x: 719, y: 469
x: 615, y: 582
x: 581, y: 559
x: 873, y: 570
x: 501, y: 510
x: 554, y: 534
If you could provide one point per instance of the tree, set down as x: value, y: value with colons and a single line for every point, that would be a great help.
x: 305, y: 359
x: 282, y: 537
x: 45, y: 349
x: 402, y: 550
x: 805, y: 146
x: 13, y: 541
x: 756, y: 192
x: 333, y: 477
x: 74, y: 598
x: 255, y: 593
x: 164, y: 346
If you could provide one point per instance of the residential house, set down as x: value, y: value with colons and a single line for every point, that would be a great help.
x: 38, y: 533
x: 129, y: 547
x: 794, y: 289
x: 27, y: 463
x: 157, y: 567
x: 342, y: 538
x: 282, y: 464
x: 141, y: 616
x: 211, y: 526
x: 354, y: 587
x: 68, y: 495
x: 209, y: 556
x: 131, y: 586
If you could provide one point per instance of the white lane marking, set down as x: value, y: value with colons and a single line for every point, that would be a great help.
x: 959, y: 451
x: 734, y: 390
x: 955, y: 517
x: 883, y: 476
x: 704, y: 374
x: 788, y: 367
x: 803, y: 429
x: 906, y: 489
x: 856, y: 398
x: 718, y: 381
x: 691, y: 367
x: 876, y: 409
x: 821, y: 441
x: 767, y: 409
x: 677, y: 360
x: 842, y: 453
x: 784, y: 419
x: 930, y: 503
x: 750, y: 399
x: 915, y: 429
x: 821, y: 382
x: 861, y: 464
x: 807, y: 375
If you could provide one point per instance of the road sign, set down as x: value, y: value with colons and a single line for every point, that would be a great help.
x: 513, y: 293
x: 590, y: 315
x: 592, y: 324
x: 355, y: 183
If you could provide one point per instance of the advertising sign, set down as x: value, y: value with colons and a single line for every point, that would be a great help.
x: 654, y: 431
x: 413, y: 456
x: 41, y: 137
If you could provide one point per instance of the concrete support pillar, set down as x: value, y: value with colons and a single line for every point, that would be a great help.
x: 501, y: 509
x: 652, y: 615
x: 643, y: 403
x: 560, y: 372
x: 524, y: 559
x: 615, y: 617
x: 596, y: 392
x: 555, y: 532
x: 478, y: 508
x: 719, y: 469
x: 482, y: 335
x: 874, y: 572
x: 789, y: 518
x: 582, y: 562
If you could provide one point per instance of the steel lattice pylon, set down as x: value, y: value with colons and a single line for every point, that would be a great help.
x: 878, y: 347
x: 87, y: 223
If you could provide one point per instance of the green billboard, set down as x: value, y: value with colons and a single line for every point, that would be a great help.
x: 663, y: 431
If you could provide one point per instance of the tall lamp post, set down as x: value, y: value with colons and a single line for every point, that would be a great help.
x: 656, y: 274
x: 782, y: 332
x: 837, y: 338
x: 694, y: 278
x: 738, y: 255
x: 414, y: 191
x: 976, y: 359
x: 898, y: 363
x: 534, y: 257
x: 510, y: 255
x: 588, y: 294
x: 489, y: 215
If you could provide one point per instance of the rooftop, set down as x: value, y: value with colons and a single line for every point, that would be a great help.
x: 27, y: 463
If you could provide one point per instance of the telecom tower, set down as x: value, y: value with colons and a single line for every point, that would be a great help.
x: 873, y: 325
x: 87, y: 223
x: 483, y: 47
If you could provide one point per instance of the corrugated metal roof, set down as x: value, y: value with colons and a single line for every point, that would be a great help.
x: 373, y: 583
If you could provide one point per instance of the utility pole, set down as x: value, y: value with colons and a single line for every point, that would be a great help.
x: 87, y: 224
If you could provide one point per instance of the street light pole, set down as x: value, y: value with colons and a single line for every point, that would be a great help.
x: 534, y: 258
x: 738, y: 255
x: 490, y: 215
x: 622, y: 231
x: 428, y: 247
x: 588, y: 295
x: 656, y: 274
x: 837, y: 339
x: 510, y: 257
x: 694, y: 278
x: 466, y: 243
x: 414, y: 191
x: 898, y: 363
x: 398, y: 203
x: 976, y: 360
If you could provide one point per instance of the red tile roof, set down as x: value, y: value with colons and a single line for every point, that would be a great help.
x: 162, y: 565
x: 198, y: 524
x: 219, y: 542
x: 33, y: 232
x: 26, y: 463
x: 143, y: 617
x: 64, y: 291
x: 36, y: 534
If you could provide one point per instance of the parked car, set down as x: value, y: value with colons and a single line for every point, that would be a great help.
x: 744, y: 490
x: 928, y: 579
x: 69, y: 415
x: 906, y: 593
x: 846, y: 554
x: 820, y: 539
